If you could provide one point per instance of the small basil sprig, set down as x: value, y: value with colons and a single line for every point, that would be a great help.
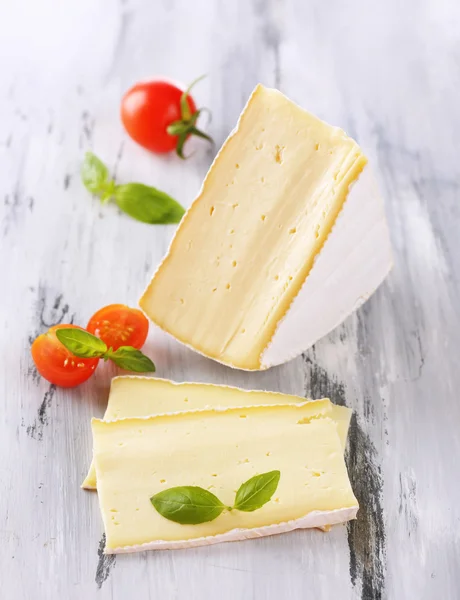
x: 86, y: 345
x: 191, y: 505
x: 139, y: 201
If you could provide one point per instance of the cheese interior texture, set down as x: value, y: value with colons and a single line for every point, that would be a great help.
x: 245, y: 247
x: 143, y: 396
x: 217, y: 450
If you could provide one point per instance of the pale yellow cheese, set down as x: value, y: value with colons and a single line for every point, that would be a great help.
x: 143, y: 396
x: 218, y: 450
x: 247, y: 244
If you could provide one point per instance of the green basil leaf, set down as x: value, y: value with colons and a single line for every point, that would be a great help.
x: 148, y: 204
x: 187, y: 505
x: 257, y: 491
x: 131, y: 359
x: 81, y: 343
x: 95, y: 176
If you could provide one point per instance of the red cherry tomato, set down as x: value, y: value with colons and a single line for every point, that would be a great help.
x: 147, y: 109
x: 119, y: 325
x: 57, y: 364
x: 160, y: 116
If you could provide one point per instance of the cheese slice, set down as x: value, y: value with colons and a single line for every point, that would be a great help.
x: 134, y: 396
x: 248, y: 244
x: 219, y: 449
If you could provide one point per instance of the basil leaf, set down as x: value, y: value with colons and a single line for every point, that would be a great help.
x: 81, y: 343
x: 257, y: 491
x: 147, y: 204
x: 187, y: 505
x: 96, y: 178
x: 131, y: 359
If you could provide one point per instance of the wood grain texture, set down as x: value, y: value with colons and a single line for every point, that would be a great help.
x: 388, y: 73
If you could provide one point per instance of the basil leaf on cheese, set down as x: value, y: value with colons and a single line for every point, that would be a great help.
x: 257, y: 491
x: 131, y: 359
x: 147, y: 204
x: 191, y: 505
x: 81, y: 343
x: 187, y: 505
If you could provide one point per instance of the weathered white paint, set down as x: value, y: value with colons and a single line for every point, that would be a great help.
x: 388, y: 74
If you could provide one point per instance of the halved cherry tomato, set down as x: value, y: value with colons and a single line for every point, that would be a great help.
x: 155, y: 117
x: 57, y: 364
x: 119, y: 325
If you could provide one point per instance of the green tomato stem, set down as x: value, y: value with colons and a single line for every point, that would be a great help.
x: 185, y: 126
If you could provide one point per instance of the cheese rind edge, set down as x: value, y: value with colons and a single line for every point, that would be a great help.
x: 316, y: 519
x: 339, y: 273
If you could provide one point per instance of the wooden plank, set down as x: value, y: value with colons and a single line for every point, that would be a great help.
x: 388, y: 74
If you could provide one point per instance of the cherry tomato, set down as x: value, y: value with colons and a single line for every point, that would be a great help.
x: 57, y: 364
x: 119, y: 325
x: 160, y: 116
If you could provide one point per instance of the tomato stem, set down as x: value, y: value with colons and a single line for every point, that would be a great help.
x: 185, y: 126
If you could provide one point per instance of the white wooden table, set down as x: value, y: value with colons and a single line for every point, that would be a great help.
x: 387, y: 72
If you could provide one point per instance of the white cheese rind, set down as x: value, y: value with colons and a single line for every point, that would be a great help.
x: 353, y: 262
x: 316, y: 519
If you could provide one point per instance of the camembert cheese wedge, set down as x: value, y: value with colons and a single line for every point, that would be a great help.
x: 268, y: 259
x: 134, y: 396
x: 218, y: 449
